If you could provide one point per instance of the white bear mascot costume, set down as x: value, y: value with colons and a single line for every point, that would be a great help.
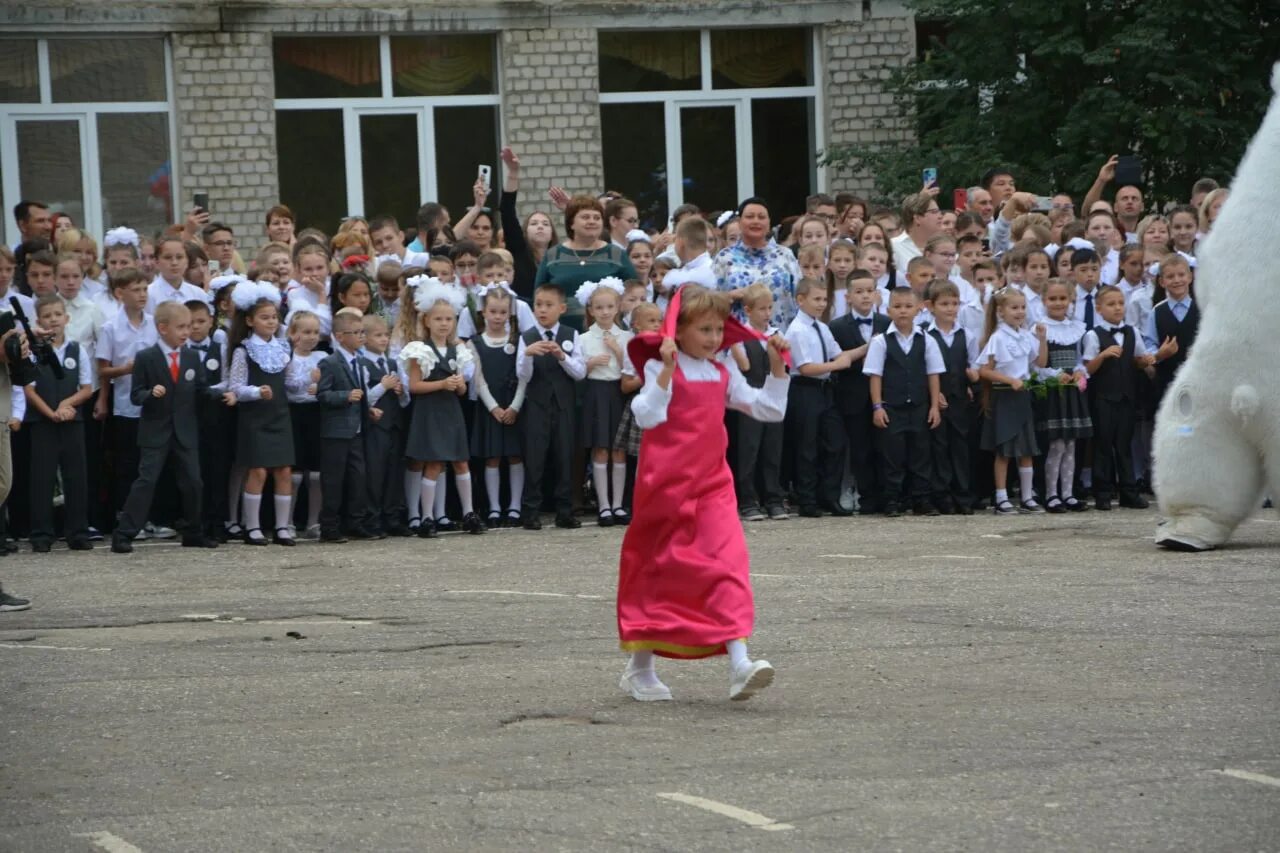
x: 1217, y: 438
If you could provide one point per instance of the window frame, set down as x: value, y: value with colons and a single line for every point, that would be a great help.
x: 386, y: 103
x: 86, y: 114
x: 740, y: 99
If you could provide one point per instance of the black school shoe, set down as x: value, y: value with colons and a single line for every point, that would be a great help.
x: 1102, y: 504
x: 837, y: 510
x: 41, y: 546
x: 567, y: 522
x: 445, y: 524
x: 945, y: 505
x: 810, y: 512
x: 892, y: 510
x: 531, y: 522
x: 10, y: 603
x: 427, y: 529
x: 80, y: 543
x: 472, y: 523
x: 1134, y: 501
x: 621, y: 517
x: 925, y: 508
x: 199, y: 542
x: 121, y: 544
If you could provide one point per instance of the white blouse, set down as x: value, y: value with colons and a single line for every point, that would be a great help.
x: 592, y: 344
x: 271, y: 355
x: 768, y: 404
x: 1014, y: 351
x: 297, y: 376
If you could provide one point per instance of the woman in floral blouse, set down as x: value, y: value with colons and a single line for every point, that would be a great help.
x: 756, y: 257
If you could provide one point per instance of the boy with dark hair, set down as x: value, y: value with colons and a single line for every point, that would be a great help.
x: 952, y: 486
x: 853, y: 332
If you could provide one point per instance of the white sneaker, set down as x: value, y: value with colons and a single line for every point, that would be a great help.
x: 312, y: 532
x: 749, y: 680
x: 847, y: 501
x: 641, y: 692
x: 159, y: 532
x: 143, y: 534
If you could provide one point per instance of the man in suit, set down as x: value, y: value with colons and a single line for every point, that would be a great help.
x: 343, y: 420
x: 167, y: 381
x: 854, y: 331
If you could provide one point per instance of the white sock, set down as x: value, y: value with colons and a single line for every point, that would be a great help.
x: 1002, y: 495
x: 442, y: 492
x: 641, y: 670
x: 600, y: 479
x: 1068, y: 472
x: 428, y: 493
x: 619, y: 483
x: 1026, y: 478
x: 296, y: 479
x: 492, y: 484
x: 235, y: 486
x: 515, y: 479
x: 413, y: 493
x: 314, y: 499
x: 252, y: 508
x: 737, y: 650
x: 1052, y: 462
x: 463, y: 482
x: 283, y: 503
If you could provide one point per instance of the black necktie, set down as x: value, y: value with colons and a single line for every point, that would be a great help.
x: 1088, y: 310
x: 355, y: 372
x: 551, y: 336
x: 822, y: 343
x: 200, y: 347
x: 382, y: 365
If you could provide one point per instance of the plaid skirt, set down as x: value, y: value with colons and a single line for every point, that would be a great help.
x: 628, y: 436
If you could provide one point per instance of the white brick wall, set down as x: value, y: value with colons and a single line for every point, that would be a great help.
x: 224, y: 89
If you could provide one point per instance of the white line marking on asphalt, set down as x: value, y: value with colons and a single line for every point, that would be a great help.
x: 107, y: 841
x: 846, y: 556
x: 763, y: 575
x: 992, y: 536
x: 752, y: 819
x: 946, y: 557
x: 201, y: 617
x: 1260, y: 778
x: 315, y: 622
x: 50, y: 648
x: 521, y: 592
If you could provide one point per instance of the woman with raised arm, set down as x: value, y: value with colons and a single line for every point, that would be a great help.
x: 528, y: 243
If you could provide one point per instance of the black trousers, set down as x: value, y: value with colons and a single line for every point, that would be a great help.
x: 58, y: 447
x: 1113, y: 425
x: 217, y: 453
x: 384, y: 475
x: 548, y: 433
x: 818, y: 436
x: 342, y: 479
x: 861, y: 448
x: 905, y: 453
x: 757, y: 462
x: 186, y: 470
x: 949, y: 444
x: 95, y: 462
x: 124, y: 460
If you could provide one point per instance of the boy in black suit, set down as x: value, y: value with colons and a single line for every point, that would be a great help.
x: 853, y: 332
x: 952, y: 491
x: 343, y: 420
x: 215, y: 412
x: 167, y: 380
x: 384, y: 440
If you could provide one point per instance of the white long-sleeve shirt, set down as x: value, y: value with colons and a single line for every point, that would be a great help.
x: 573, y: 364
x: 767, y: 404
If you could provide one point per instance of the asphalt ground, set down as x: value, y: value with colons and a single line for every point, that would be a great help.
x: 984, y: 683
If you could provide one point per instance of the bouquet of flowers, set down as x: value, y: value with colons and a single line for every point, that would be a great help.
x: 1041, y: 386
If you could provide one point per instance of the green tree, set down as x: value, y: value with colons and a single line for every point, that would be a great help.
x: 1050, y: 90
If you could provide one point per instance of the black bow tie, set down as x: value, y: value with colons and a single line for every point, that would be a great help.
x: 864, y: 321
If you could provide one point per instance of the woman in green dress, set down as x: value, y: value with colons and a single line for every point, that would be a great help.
x: 583, y: 257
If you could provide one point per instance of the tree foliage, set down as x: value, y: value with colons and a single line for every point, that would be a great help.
x: 1050, y: 90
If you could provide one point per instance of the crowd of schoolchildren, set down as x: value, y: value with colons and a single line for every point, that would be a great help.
x: 341, y: 387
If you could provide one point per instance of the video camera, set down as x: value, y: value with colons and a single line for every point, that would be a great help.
x: 22, y: 371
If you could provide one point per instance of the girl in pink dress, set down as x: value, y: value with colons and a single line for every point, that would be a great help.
x: 684, y: 587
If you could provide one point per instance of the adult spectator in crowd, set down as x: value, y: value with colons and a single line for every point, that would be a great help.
x: 586, y: 256
x: 219, y: 245
x: 1128, y: 205
x: 280, y: 226
x: 432, y: 217
x: 529, y: 242
x: 921, y: 219
x: 622, y: 216
x: 34, y: 222
x: 8, y: 602
x: 978, y: 201
x: 1200, y: 189
x: 758, y: 257
x: 823, y: 206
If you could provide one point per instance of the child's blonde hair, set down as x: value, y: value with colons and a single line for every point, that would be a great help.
x: 756, y: 293
x: 696, y: 300
x: 298, y: 317
x: 643, y: 310
x: 406, y: 329
x: 998, y: 300
x: 68, y: 242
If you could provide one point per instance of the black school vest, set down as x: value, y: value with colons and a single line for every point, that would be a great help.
x: 1116, y: 379
x: 954, y: 380
x: 1167, y: 326
x: 905, y: 382
x: 758, y: 359
x: 389, y: 402
x: 549, y: 386
x: 52, y: 390
x: 499, y: 370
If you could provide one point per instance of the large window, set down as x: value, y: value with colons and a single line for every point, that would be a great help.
x: 378, y: 124
x: 85, y: 128
x: 710, y: 117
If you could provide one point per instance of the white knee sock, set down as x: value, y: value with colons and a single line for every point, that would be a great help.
x: 413, y: 493
x: 600, y: 479
x: 314, y: 498
x: 618, y: 483
x: 428, y: 496
x: 737, y: 653
x: 252, y: 511
x: 235, y: 486
x: 1052, y: 461
x: 515, y: 478
x: 282, y: 504
x: 492, y: 485
x: 463, y: 482
x: 1067, y: 473
x: 442, y: 492
x: 641, y: 670
x: 1026, y: 478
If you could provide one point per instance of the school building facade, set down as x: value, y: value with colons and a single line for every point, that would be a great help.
x: 117, y: 112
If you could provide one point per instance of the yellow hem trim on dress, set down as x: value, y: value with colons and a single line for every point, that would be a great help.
x: 672, y: 648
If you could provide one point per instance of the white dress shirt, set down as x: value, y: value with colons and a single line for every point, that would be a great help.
x: 82, y: 367
x: 697, y: 271
x: 573, y: 364
x: 160, y: 292
x: 1092, y: 347
x: 524, y: 318
x: 808, y: 337
x: 767, y: 404
x: 592, y: 344
x: 970, y: 341
x: 118, y: 342
x: 1179, y: 307
x: 877, y: 351
x: 1013, y: 350
x: 297, y: 376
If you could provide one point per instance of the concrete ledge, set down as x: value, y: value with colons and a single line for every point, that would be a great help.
x: 45, y: 19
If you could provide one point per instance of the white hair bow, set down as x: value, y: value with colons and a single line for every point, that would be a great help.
x: 635, y: 235
x: 428, y: 290
x: 249, y: 293
x: 121, y: 237
x: 611, y: 282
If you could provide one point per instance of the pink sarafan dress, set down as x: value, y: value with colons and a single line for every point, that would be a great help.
x: 684, y: 586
